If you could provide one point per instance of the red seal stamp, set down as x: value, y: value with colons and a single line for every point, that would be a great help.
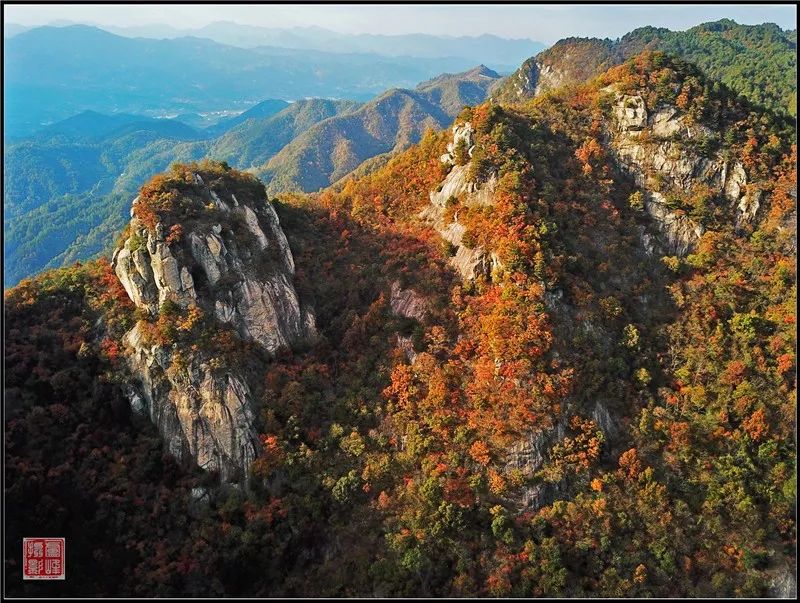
x: 43, y: 559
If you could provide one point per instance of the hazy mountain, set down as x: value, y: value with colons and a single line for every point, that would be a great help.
x: 87, y: 125
x: 66, y: 190
x: 499, y: 53
x: 83, y: 171
x: 12, y: 29
x: 52, y: 73
x: 67, y: 187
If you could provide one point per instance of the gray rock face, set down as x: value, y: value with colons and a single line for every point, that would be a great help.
x: 524, y: 81
x: 783, y: 583
x: 237, y: 269
x: 528, y: 455
x: 631, y: 113
x: 533, y: 78
x: 549, y: 78
x: 270, y: 313
x: 666, y: 161
x: 531, y: 452
x: 204, y: 416
x: 461, y: 132
x: 407, y: 303
x: 679, y: 232
x: 470, y: 262
x: 605, y: 421
x: 407, y: 346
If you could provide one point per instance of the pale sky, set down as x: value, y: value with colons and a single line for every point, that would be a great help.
x: 542, y: 22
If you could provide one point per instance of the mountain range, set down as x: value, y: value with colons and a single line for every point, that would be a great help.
x: 334, y: 147
x: 51, y: 73
x: 85, y: 178
x: 546, y: 351
x: 499, y: 53
x: 85, y: 169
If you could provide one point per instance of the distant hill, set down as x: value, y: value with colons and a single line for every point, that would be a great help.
x: 12, y: 29
x: 757, y: 61
x: 87, y: 125
x: 70, y: 185
x: 391, y: 122
x: 452, y: 91
x: 67, y: 188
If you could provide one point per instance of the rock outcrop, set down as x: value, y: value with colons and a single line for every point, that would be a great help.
x: 783, y: 582
x: 230, y: 260
x: 659, y: 148
x: 470, y: 262
x: 203, y: 414
x: 407, y: 302
x: 533, y: 78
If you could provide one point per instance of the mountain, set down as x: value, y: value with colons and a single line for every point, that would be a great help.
x: 757, y: 61
x: 337, y: 145
x: 253, y: 141
x: 12, y: 29
x: 453, y: 91
x: 546, y: 352
x: 67, y: 200
x: 568, y: 62
x: 66, y: 190
x: 87, y: 125
x: 178, y: 253
x: 82, y: 170
x: 396, y: 119
x: 54, y: 72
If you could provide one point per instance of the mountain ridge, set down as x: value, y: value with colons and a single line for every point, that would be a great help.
x: 503, y: 52
x: 751, y: 59
x: 395, y: 119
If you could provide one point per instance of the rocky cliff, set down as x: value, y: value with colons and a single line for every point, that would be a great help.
x: 471, y: 262
x: 215, y: 252
x: 662, y: 149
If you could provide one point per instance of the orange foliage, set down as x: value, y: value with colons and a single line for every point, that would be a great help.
x: 480, y: 452
x: 679, y: 435
x: 756, y: 425
x: 629, y: 464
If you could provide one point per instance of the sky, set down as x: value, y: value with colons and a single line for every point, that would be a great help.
x: 541, y: 22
